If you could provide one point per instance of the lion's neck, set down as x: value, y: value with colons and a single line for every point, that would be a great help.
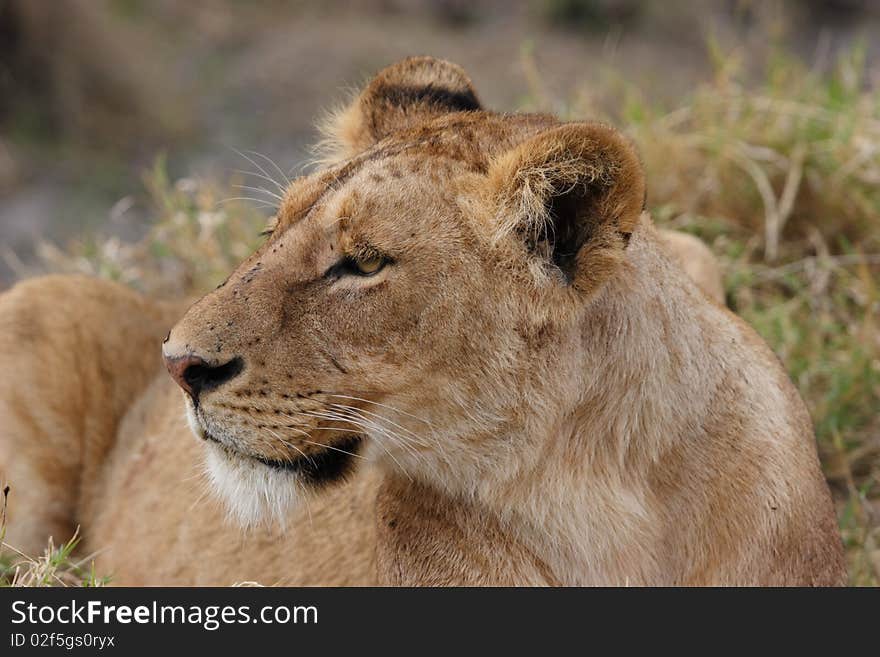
x: 586, y: 498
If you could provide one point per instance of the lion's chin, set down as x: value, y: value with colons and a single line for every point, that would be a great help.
x: 260, y: 490
x: 253, y: 493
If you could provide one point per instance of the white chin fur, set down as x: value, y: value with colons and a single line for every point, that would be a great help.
x: 253, y: 493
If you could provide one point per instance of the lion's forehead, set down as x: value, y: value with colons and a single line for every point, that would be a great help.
x: 426, y: 158
x: 391, y: 195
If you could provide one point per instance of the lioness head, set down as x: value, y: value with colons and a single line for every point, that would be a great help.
x: 418, y: 298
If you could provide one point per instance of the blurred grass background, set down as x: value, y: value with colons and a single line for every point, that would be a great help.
x: 127, y: 127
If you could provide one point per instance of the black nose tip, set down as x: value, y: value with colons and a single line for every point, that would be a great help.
x: 195, y: 375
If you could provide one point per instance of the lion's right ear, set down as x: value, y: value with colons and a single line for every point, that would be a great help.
x: 403, y: 95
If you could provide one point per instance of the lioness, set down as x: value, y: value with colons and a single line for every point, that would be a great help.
x: 463, y: 350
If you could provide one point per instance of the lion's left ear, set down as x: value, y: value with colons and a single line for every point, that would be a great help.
x: 572, y: 194
x: 404, y: 94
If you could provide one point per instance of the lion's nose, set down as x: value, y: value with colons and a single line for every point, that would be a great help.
x: 195, y: 375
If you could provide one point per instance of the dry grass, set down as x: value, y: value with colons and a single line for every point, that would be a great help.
x: 781, y: 176
x: 56, y: 567
x: 201, y: 232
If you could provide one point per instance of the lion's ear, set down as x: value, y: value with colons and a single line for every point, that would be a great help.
x: 400, y: 96
x: 572, y: 194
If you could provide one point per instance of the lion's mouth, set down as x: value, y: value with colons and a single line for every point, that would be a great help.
x: 325, y: 465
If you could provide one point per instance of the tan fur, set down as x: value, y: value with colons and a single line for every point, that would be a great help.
x: 697, y: 261
x: 536, y: 392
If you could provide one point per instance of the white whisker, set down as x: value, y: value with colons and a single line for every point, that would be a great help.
x: 417, y: 439
x: 391, y: 408
x: 272, y: 162
x: 262, y: 170
x: 364, y: 426
x: 292, y: 446
x: 261, y: 203
x: 409, y: 443
x: 261, y: 177
x: 335, y: 449
x: 260, y: 189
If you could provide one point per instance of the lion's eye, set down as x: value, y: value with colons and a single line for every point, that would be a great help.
x: 363, y: 264
x: 369, y: 265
